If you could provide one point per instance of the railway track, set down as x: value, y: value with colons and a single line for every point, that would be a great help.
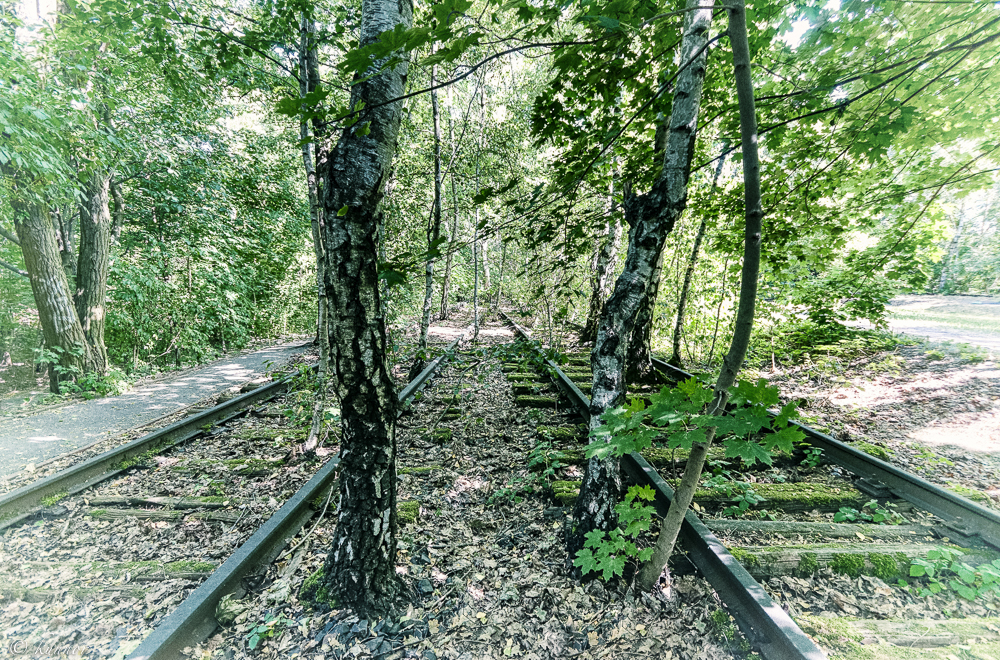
x: 130, y: 552
x: 801, y: 556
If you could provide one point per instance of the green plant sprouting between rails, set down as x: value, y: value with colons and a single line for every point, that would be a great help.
x: 543, y: 462
x: 942, y: 569
x: 748, y: 432
x: 606, y: 553
x: 871, y: 511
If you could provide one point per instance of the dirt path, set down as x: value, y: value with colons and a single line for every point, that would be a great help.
x: 971, y: 320
x: 34, y: 438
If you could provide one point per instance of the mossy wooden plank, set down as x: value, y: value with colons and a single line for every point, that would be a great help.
x: 529, y: 401
x: 793, y: 528
x: 887, y: 561
x: 867, y: 640
x: 793, y: 497
x: 531, y: 389
x: 213, y: 502
x: 161, y: 514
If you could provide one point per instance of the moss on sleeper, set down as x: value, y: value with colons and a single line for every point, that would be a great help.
x: 848, y: 563
x: 529, y: 401
x: 880, y: 453
x: 566, y: 492
x: 746, y: 558
x: 808, y: 564
x: 408, y: 512
x: 970, y: 493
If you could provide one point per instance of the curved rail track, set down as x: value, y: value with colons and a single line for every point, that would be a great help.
x: 170, y: 547
x: 885, y: 551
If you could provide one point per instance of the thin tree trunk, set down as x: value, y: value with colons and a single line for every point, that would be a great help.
x: 65, y: 235
x: 650, y: 572
x: 359, y: 571
x: 453, y: 232
x: 61, y: 327
x: 675, y: 359
x: 503, y: 260
x: 92, y: 272
x: 118, y: 215
x: 475, y: 229
x: 433, y: 234
x: 651, y: 217
x: 952, y: 249
x: 603, y: 265
x: 308, y: 79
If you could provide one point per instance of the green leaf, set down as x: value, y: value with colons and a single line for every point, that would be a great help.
x: 343, y: 211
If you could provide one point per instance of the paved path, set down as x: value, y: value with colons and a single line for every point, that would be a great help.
x: 35, y: 438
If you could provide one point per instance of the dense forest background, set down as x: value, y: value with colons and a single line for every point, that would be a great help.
x: 878, y: 144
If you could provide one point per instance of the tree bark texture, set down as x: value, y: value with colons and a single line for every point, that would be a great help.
x: 638, y: 364
x: 650, y: 572
x: 359, y: 571
x: 92, y: 268
x: 675, y: 359
x: 651, y: 217
x: 60, y: 324
x: 433, y: 233
x: 603, y: 264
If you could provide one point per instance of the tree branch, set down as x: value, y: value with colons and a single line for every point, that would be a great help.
x: 12, y: 268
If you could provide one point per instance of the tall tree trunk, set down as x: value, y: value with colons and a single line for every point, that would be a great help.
x: 118, y: 215
x: 638, y: 363
x: 475, y: 228
x: 92, y: 271
x: 308, y: 81
x: 433, y: 234
x: 359, y: 571
x: 65, y: 237
x: 651, y: 217
x: 952, y: 248
x: 60, y: 324
x: 650, y: 572
x: 603, y: 265
x: 675, y: 359
x: 503, y: 260
x: 453, y: 231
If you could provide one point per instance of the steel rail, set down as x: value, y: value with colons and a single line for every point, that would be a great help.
x: 194, y: 619
x: 767, y: 626
x: 22, y: 503
x: 963, y: 515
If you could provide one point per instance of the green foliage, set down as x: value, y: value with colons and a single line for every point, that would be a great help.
x: 543, y: 462
x: 871, y: 511
x: 942, y: 570
x: 748, y: 432
x: 742, y: 493
x: 273, y: 624
x: 814, y: 456
x: 607, y: 553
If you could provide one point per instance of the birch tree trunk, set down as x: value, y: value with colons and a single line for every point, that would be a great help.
x: 308, y: 82
x: 359, y: 571
x: 651, y: 217
x: 638, y: 364
x: 650, y: 572
x: 675, y: 359
x: 92, y: 269
x: 603, y: 265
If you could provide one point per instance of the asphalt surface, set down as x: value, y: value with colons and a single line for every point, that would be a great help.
x: 35, y: 438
